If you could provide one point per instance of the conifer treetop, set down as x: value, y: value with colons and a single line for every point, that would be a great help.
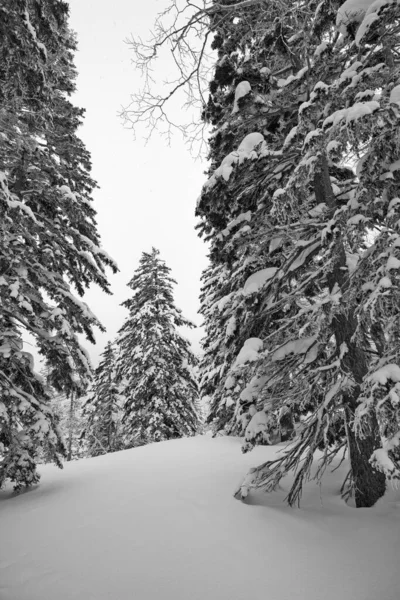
x: 155, y: 362
x: 153, y: 290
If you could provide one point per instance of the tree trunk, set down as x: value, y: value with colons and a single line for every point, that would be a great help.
x: 286, y: 427
x: 70, y: 426
x: 369, y: 484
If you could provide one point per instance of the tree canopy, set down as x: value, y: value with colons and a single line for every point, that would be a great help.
x: 301, y: 298
x: 49, y: 245
x: 155, y: 362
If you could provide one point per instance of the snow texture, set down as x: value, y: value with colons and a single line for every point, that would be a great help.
x: 256, y: 281
x: 372, y: 15
x: 239, y: 219
x: 32, y: 32
x: 284, y: 82
x: 258, y: 424
x: 351, y: 11
x: 353, y: 113
x: 290, y: 136
x: 160, y: 521
x: 392, y: 263
x: 395, y: 95
x: 300, y: 346
x: 382, y: 461
x: 252, y: 389
x: 299, y: 261
x: 242, y: 89
x: 245, y: 151
x: 382, y: 375
x: 249, y: 352
x: 248, y: 145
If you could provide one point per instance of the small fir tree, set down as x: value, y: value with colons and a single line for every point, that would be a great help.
x: 102, y: 410
x: 155, y: 363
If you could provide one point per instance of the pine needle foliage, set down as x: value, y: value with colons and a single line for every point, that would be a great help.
x: 102, y: 410
x: 301, y: 209
x: 155, y: 362
x: 49, y: 244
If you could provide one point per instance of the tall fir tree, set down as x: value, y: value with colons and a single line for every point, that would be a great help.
x: 304, y: 249
x: 155, y: 362
x: 248, y: 115
x: 102, y: 411
x: 49, y: 244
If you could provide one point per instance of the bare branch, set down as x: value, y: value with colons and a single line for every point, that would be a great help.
x: 182, y: 30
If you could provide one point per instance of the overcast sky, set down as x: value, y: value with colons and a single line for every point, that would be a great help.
x: 147, y: 193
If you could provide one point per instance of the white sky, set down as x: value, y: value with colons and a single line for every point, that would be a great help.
x: 148, y: 192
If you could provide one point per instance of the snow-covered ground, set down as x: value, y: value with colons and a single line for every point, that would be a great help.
x: 160, y: 522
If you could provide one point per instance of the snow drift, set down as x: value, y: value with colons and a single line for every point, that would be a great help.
x: 160, y: 521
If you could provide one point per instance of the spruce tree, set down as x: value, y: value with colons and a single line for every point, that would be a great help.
x: 219, y: 354
x: 102, y: 410
x: 49, y: 245
x: 246, y: 112
x: 301, y: 298
x: 287, y: 220
x: 155, y: 363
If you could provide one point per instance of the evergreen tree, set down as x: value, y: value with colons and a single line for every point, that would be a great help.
x: 301, y: 299
x: 219, y: 353
x: 68, y: 414
x: 155, y: 363
x: 308, y: 329
x: 245, y: 109
x: 49, y: 245
x: 102, y: 410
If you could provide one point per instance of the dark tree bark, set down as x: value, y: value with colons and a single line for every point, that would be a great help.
x: 369, y: 484
x: 70, y: 425
x: 286, y: 427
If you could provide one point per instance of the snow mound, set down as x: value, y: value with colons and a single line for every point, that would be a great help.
x: 249, y: 352
x: 258, y: 424
x: 249, y: 144
x: 161, y: 520
x: 382, y: 375
x: 394, y: 97
x: 382, y: 460
x: 253, y: 388
x: 245, y: 151
x: 351, y: 11
x: 300, y: 346
x: 242, y: 89
x: 256, y: 281
x: 372, y: 15
x: 353, y: 113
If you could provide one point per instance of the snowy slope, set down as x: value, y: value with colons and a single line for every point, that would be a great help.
x: 160, y: 522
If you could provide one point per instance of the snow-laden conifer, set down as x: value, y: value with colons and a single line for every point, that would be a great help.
x: 309, y: 244
x: 214, y: 364
x: 49, y: 245
x: 301, y: 208
x: 155, y: 362
x: 247, y: 127
x: 101, y: 413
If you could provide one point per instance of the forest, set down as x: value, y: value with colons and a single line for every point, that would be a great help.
x: 294, y: 109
